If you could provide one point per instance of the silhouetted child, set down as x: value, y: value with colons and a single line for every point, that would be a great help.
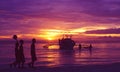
x: 33, y: 53
x: 16, y: 52
x: 21, y: 54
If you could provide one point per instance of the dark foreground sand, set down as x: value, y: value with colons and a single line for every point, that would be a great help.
x: 114, y: 67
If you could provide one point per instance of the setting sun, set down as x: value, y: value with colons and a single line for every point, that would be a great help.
x: 50, y: 38
x: 50, y: 34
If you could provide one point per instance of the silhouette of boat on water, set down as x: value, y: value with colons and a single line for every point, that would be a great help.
x: 66, y: 44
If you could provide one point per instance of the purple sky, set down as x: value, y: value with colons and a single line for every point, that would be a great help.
x: 28, y: 17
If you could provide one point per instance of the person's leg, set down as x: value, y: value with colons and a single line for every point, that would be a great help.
x: 22, y: 64
x: 19, y: 63
x: 29, y: 64
x: 32, y: 63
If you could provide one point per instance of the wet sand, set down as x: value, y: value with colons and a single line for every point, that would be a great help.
x: 113, y: 67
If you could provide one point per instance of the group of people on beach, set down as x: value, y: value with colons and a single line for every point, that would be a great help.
x: 19, y: 53
x: 65, y: 44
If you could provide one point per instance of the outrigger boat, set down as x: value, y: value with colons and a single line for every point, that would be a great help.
x: 66, y: 44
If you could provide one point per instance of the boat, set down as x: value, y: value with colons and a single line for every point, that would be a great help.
x: 66, y: 44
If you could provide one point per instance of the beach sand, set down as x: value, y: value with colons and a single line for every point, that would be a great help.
x: 114, y: 67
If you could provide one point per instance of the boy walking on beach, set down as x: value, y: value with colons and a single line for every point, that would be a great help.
x: 21, y: 55
x: 33, y: 53
x: 16, y: 52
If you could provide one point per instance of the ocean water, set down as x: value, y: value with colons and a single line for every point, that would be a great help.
x: 102, y: 53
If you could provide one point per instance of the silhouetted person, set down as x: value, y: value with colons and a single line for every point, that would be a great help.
x: 90, y: 48
x: 21, y: 54
x: 33, y: 53
x: 79, y: 47
x: 16, y: 52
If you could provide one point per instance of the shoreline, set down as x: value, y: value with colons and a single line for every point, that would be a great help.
x: 113, y: 67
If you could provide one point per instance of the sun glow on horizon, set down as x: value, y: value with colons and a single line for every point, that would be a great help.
x: 50, y: 34
x: 55, y: 34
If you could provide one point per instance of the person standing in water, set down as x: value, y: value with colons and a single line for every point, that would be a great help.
x: 21, y: 54
x: 16, y: 52
x: 79, y: 47
x: 90, y: 48
x: 33, y: 53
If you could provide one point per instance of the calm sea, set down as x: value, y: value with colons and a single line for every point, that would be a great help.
x: 52, y: 56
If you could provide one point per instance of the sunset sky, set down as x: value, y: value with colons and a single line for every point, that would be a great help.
x: 50, y: 19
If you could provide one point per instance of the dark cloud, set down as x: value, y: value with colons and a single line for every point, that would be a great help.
x: 102, y: 8
x: 69, y: 10
x: 106, y: 31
